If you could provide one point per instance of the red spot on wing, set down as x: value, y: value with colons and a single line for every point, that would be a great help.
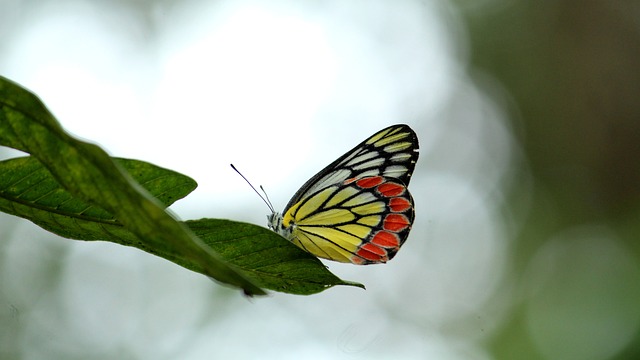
x: 373, y: 249
x: 399, y: 204
x: 369, y: 182
x: 370, y: 253
x: 395, y: 222
x: 390, y: 189
x: 386, y: 239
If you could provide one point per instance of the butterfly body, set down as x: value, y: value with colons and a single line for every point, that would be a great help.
x: 358, y: 209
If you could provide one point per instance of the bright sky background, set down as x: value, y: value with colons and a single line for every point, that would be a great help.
x: 280, y: 89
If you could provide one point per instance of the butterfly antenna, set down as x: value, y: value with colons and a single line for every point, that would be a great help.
x: 267, y: 197
x: 264, y: 198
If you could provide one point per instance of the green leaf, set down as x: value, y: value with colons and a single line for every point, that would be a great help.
x: 28, y: 190
x: 75, y: 190
x: 268, y: 258
x: 91, y: 176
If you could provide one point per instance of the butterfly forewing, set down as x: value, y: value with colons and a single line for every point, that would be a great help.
x: 391, y: 152
x: 358, y: 209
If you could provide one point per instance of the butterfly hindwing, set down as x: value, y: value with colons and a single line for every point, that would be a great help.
x: 358, y: 209
x: 363, y: 221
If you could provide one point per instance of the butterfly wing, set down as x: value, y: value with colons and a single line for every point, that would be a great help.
x: 358, y: 209
x: 391, y: 152
x: 363, y: 220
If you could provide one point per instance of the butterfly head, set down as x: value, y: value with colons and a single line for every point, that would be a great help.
x: 275, y: 223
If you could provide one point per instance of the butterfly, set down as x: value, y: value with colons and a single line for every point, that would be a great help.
x: 358, y: 209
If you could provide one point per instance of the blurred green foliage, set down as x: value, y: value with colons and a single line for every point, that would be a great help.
x: 573, y: 71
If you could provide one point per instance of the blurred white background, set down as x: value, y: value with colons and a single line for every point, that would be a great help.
x: 280, y: 89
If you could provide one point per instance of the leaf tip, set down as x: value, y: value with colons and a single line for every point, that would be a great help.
x: 355, y: 284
